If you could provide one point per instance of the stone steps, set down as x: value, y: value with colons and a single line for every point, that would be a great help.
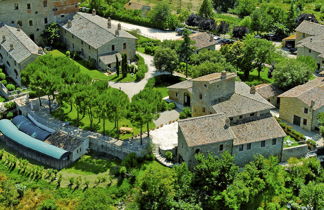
x: 161, y: 159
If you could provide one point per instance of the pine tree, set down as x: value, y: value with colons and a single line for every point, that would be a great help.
x: 206, y: 9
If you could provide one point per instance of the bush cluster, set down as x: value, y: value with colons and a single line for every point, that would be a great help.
x: 142, y: 68
x: 186, y: 112
x: 291, y: 132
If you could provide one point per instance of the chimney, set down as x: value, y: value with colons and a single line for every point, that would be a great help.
x: 227, y: 123
x: 119, y: 26
x: 211, y: 38
x: 109, y: 22
x: 69, y: 24
x: 312, y: 103
x: 3, y: 38
x: 11, y: 47
x: 117, y: 32
x: 94, y: 12
x: 40, y: 50
x: 223, y: 75
x: 252, y: 90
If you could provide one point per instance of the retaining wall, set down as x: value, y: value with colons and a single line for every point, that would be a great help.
x: 297, y: 151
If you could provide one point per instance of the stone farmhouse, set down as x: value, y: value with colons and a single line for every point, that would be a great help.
x: 301, y: 104
x: 227, y: 116
x: 310, y: 41
x: 202, y: 40
x: 95, y: 38
x: 16, y: 51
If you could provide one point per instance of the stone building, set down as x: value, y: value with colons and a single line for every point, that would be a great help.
x: 181, y: 92
x: 228, y: 116
x: 301, y: 104
x: 269, y: 92
x: 16, y: 51
x: 215, y: 134
x: 33, y: 15
x: 202, y: 40
x: 96, y: 39
x: 310, y: 41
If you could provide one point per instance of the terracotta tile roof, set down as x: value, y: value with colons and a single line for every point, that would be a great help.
x: 205, y: 130
x: 308, y: 92
x: 187, y: 84
x: 310, y: 28
x: 213, y: 76
x: 259, y: 130
x: 268, y: 90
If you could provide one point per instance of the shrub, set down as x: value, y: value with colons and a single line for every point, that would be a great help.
x: 9, y: 115
x: 142, y: 68
x: 171, y: 106
x: 11, y: 87
x: 185, y: 113
x: 130, y: 161
x: 47, y: 205
x: 10, y: 105
x: 2, y: 76
x: 311, y: 143
x: 68, y: 53
x: 4, y: 82
x: 0, y: 70
x: 169, y: 156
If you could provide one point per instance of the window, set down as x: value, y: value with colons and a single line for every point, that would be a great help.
x: 45, y: 3
x: 309, y: 50
x: 124, y: 46
x: 303, y: 35
x: 45, y: 20
x: 248, y: 146
x: 62, y: 16
x: 30, y: 23
x: 113, y: 48
x: 16, y: 6
x: 12, y: 22
x: 81, y: 42
x: 203, y: 109
x: 262, y: 143
x: 221, y: 147
x: 200, y: 96
x: 305, y: 122
x: 19, y: 22
x: 197, y: 151
x: 252, y: 114
x: 274, y: 141
x: 28, y: 6
x: 205, y: 85
x: 241, y: 147
x: 241, y: 117
x: 176, y: 94
x: 231, y: 118
x: 305, y: 110
x: 72, y: 36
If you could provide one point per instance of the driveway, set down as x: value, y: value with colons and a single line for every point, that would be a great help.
x: 148, y: 32
x: 167, y: 116
x: 132, y: 88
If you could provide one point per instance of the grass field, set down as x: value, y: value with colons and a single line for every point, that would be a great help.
x: 94, y: 73
x: 254, y: 79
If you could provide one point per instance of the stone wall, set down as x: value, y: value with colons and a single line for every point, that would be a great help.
x: 304, y: 51
x: 111, y: 149
x: 247, y: 155
x: 297, y: 151
x: 178, y: 95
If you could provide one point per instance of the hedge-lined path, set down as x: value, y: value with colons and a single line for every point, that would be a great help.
x: 132, y: 88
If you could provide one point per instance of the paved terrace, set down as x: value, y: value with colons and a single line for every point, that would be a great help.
x: 43, y: 117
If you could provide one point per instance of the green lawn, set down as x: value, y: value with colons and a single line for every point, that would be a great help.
x: 110, y: 130
x: 94, y: 73
x: 290, y: 142
x: 254, y: 79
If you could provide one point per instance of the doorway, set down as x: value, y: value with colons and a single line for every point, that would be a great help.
x: 186, y: 100
x: 296, y: 120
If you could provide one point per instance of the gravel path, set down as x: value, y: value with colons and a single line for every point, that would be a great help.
x: 148, y: 32
x: 166, y: 137
x: 166, y: 117
x: 132, y: 88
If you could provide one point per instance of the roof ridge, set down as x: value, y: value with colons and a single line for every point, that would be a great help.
x: 252, y: 98
x: 203, y: 116
x: 95, y: 22
x: 8, y: 27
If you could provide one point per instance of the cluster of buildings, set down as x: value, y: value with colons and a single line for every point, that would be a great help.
x: 92, y: 37
x: 231, y: 116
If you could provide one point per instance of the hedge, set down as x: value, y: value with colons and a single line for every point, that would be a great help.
x: 291, y: 132
x: 142, y: 68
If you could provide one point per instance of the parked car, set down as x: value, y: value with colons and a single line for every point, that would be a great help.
x: 217, y: 38
x: 225, y: 41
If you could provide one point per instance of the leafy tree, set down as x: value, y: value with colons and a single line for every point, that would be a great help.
x: 312, y: 195
x: 95, y: 4
x: 206, y: 9
x: 290, y: 73
x: 166, y: 59
x: 212, y: 175
x: 156, y: 189
x: 51, y: 34
x: 223, y: 6
x: 210, y: 67
x: 161, y: 16
x: 186, y: 50
x: 245, y: 7
x: 240, y: 31
x: 308, y: 17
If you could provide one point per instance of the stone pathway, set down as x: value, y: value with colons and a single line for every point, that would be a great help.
x: 161, y: 159
x: 166, y: 117
x: 165, y: 137
x: 148, y: 32
x: 132, y: 88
